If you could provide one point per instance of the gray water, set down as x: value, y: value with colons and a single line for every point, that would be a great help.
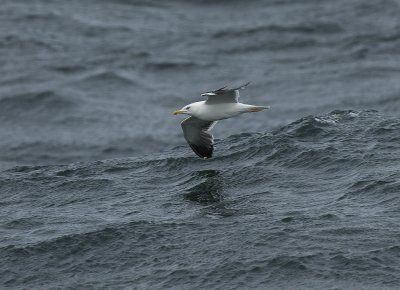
x: 98, y: 189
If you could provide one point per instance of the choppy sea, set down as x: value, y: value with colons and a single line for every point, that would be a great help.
x: 99, y: 190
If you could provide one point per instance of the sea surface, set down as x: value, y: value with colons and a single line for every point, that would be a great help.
x: 99, y: 190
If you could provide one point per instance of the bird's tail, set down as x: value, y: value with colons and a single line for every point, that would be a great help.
x: 258, y: 108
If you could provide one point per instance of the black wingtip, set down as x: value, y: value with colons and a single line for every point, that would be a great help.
x: 202, y: 152
x: 245, y: 85
x: 220, y: 89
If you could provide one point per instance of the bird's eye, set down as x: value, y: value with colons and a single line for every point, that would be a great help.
x: 187, y: 108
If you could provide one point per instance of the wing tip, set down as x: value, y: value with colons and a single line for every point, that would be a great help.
x: 225, y: 88
x: 244, y: 85
x: 204, y: 154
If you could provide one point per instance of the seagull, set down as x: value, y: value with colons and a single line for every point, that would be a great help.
x: 220, y: 104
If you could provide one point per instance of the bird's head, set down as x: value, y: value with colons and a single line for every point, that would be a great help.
x: 188, y: 110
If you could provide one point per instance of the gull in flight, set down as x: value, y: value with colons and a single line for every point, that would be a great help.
x: 220, y: 104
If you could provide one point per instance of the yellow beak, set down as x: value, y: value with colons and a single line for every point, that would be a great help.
x: 178, y: 112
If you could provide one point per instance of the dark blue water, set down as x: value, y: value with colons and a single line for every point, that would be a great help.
x: 98, y: 189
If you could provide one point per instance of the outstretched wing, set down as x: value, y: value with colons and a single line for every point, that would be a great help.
x: 224, y: 95
x: 195, y: 133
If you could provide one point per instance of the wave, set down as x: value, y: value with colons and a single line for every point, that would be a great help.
x: 343, y: 144
x: 172, y: 65
x: 323, y: 142
x: 43, y: 104
x: 86, y: 27
x: 110, y: 77
x: 18, y: 42
x: 71, y: 244
x: 312, y: 141
x: 306, y: 28
x: 290, y: 43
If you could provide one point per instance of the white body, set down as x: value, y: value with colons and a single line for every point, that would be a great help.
x: 215, y: 112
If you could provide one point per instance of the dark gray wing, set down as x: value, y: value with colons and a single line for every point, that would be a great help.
x: 224, y: 95
x: 195, y: 133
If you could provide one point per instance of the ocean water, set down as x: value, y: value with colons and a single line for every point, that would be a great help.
x: 99, y: 190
